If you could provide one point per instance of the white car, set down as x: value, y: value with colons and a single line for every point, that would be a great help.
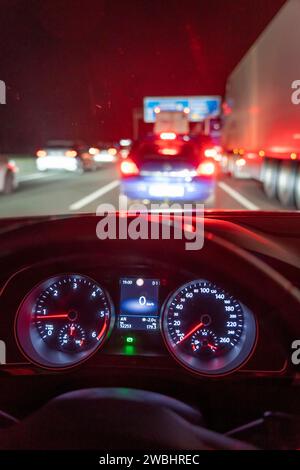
x: 8, y: 181
x: 64, y: 155
x: 103, y: 155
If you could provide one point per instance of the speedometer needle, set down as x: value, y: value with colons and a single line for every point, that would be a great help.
x: 46, y: 317
x: 190, y: 332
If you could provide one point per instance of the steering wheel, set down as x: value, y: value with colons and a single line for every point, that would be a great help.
x: 114, y: 418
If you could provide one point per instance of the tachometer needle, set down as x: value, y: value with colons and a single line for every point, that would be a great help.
x: 46, y: 317
x: 190, y: 333
x: 101, y: 331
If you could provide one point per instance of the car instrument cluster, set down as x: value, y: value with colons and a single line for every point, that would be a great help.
x: 67, y: 318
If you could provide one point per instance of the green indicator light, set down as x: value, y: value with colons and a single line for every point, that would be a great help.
x: 129, y: 340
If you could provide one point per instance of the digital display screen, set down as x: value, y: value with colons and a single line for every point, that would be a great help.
x: 139, y: 309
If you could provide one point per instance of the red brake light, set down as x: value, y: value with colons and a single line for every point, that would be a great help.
x: 94, y: 150
x: 41, y: 153
x: 206, y: 168
x: 70, y: 153
x: 112, y: 151
x: 167, y: 135
x: 129, y: 168
x: 168, y: 151
x: 12, y: 166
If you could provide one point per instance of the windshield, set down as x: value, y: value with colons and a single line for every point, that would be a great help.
x: 172, y: 101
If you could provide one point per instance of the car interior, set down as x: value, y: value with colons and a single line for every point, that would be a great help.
x: 149, y: 232
x: 135, y: 386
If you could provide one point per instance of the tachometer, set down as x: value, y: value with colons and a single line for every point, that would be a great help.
x: 63, y: 320
x: 208, y: 330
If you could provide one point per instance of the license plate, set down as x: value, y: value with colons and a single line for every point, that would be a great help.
x: 55, y: 153
x: 163, y: 190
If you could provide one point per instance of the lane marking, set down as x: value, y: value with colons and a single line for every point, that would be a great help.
x: 242, y: 200
x: 93, y: 196
x: 32, y: 176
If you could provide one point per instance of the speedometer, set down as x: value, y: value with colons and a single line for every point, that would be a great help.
x: 207, y: 329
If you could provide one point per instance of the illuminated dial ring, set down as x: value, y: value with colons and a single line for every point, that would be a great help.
x: 201, y: 308
x: 70, y: 302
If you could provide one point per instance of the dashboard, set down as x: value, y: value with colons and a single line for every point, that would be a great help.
x: 195, y: 323
x: 67, y: 318
x: 211, y: 328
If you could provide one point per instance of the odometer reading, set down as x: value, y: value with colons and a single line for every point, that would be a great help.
x: 207, y: 329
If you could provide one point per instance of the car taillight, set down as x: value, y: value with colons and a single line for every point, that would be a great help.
x: 129, y: 168
x: 112, y: 151
x: 167, y: 135
x: 168, y: 151
x: 71, y: 153
x: 41, y: 153
x: 12, y: 166
x: 94, y: 150
x: 206, y: 168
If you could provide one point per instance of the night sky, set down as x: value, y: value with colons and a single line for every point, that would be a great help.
x: 77, y: 68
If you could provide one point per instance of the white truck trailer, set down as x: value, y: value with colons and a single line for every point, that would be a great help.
x: 261, y: 112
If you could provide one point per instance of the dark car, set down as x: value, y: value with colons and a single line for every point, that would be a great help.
x: 169, y: 166
x: 103, y: 153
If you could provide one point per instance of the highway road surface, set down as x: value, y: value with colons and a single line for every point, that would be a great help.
x: 65, y: 193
